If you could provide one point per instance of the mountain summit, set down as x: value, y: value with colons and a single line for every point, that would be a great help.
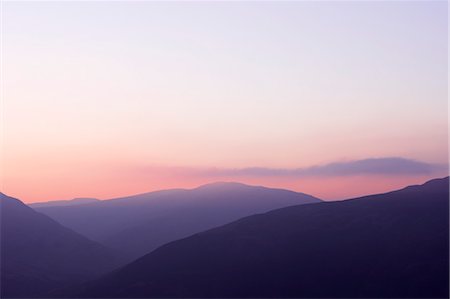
x: 392, y: 245
x: 139, y: 224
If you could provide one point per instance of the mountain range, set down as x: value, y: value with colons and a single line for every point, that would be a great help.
x: 138, y: 224
x: 39, y: 255
x: 229, y: 240
x: 392, y: 245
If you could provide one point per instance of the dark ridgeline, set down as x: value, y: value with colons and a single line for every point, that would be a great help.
x: 57, y: 203
x: 136, y: 225
x: 386, y: 245
x: 39, y: 255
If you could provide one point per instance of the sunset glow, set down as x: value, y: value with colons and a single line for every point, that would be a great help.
x: 107, y: 99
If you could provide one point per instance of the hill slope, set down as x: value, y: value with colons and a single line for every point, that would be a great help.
x: 39, y: 255
x: 138, y: 224
x: 70, y: 202
x: 386, y: 245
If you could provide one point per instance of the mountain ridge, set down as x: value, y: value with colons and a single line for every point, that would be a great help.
x: 68, y: 202
x: 35, y: 251
x: 167, y: 215
x: 393, y: 244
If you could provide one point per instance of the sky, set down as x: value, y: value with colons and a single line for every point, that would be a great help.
x: 336, y: 99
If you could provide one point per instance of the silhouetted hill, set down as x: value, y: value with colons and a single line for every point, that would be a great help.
x: 70, y: 202
x: 39, y: 255
x: 388, y: 245
x: 138, y: 224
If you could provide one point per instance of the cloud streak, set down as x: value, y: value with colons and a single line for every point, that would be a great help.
x: 390, y: 166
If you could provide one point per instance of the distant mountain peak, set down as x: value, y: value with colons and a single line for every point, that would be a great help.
x: 391, y: 245
x: 223, y: 184
x: 77, y: 200
x: 431, y: 185
x: 138, y: 224
x: 70, y: 202
x: 443, y: 180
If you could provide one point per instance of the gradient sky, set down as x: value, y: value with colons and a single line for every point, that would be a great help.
x: 104, y: 99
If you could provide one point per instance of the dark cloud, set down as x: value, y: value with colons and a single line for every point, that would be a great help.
x: 372, y: 166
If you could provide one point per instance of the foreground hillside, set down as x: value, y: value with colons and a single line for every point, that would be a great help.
x: 138, y: 224
x: 386, y: 245
x: 39, y: 255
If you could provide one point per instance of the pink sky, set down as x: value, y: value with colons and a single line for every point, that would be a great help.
x: 104, y: 183
x: 95, y: 92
